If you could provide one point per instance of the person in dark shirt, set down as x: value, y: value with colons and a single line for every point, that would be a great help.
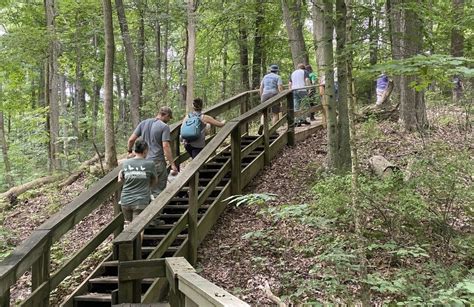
x: 138, y: 175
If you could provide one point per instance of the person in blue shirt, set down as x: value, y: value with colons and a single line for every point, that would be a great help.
x: 270, y: 86
x: 382, y: 85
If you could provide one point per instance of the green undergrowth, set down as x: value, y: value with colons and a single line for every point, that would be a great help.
x: 417, y: 236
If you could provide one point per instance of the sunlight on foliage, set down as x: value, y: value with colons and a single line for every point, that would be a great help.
x: 251, y: 199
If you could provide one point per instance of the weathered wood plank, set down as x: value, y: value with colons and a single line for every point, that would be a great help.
x: 193, y: 218
x: 129, y: 291
x: 82, y: 205
x: 67, y: 268
x: 278, y: 124
x: 251, y: 147
x: 290, y: 119
x: 236, y: 160
x: 138, y: 224
x: 278, y: 145
x: 251, y: 170
x: 204, y: 293
x: 213, y: 183
x: 266, y: 139
x: 139, y: 269
x: 22, y: 258
x: 170, y: 237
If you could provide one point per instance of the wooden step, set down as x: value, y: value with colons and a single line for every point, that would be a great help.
x: 94, y: 297
x: 185, y: 207
x: 175, y: 216
x: 161, y: 237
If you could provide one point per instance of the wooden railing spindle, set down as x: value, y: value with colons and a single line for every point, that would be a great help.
x: 236, y: 140
x: 193, y: 219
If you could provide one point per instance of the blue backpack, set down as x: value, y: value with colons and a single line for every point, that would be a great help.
x: 191, y: 128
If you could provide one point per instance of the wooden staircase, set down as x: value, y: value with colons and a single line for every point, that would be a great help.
x: 98, y: 289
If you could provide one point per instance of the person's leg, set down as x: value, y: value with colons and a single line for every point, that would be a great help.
x: 127, y: 214
x: 137, y: 209
x: 379, y: 97
x: 196, y: 151
x: 162, y: 175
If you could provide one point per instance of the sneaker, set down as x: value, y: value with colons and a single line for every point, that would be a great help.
x: 305, y: 122
x: 298, y: 124
x: 260, y: 130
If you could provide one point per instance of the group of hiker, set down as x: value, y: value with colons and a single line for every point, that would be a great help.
x: 302, y: 77
x: 145, y: 173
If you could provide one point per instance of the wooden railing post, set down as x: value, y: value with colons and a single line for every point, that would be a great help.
x: 193, y: 219
x: 5, y: 298
x: 174, y: 266
x: 117, y: 211
x: 176, y: 150
x: 290, y: 115
x: 236, y: 136
x: 40, y: 272
x: 129, y: 291
x: 266, y: 138
x: 244, y: 107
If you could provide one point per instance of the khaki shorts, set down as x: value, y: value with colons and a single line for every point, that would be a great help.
x: 130, y: 212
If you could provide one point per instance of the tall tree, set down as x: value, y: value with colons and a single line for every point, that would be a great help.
x: 191, y: 53
x: 407, y: 40
x: 243, y: 55
x: 258, y: 44
x: 292, y: 14
x: 3, y: 142
x: 110, y: 152
x: 52, y: 89
x: 131, y: 63
x: 457, y: 41
x: 324, y: 27
x: 343, y: 157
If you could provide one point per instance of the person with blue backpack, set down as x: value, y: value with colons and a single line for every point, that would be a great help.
x: 193, y: 128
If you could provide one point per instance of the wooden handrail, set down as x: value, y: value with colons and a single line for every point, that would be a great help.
x: 36, y: 248
x: 185, y: 283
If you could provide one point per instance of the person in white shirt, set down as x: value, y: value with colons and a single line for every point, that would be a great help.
x: 298, y: 80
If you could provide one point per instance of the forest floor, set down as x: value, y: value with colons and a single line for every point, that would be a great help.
x: 229, y: 256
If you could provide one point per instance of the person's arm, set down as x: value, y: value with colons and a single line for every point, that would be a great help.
x: 130, y: 143
x: 260, y: 90
x: 211, y: 120
x: 169, y: 155
x: 280, y: 84
x: 120, y: 176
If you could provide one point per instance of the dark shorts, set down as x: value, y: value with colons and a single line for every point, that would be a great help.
x: 130, y: 212
x: 192, y: 151
x: 274, y: 109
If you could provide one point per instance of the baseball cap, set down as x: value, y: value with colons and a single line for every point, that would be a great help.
x: 274, y: 68
x: 166, y: 111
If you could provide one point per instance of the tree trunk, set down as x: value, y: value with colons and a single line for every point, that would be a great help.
x: 412, y: 103
x: 457, y: 42
x: 343, y: 156
x: 225, y: 58
x: 52, y: 85
x: 323, y: 13
x: 65, y: 130
x: 159, y: 56
x: 95, y: 108
x: 135, y: 102
x: 191, y: 54
x: 165, y: 53
x: 141, y: 44
x: 4, y: 144
x: 294, y: 26
x: 110, y: 153
x: 258, y: 44
x: 357, y: 208
x: 244, y: 56
x: 373, y: 49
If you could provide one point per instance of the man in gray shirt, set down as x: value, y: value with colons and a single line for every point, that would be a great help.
x: 156, y: 133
